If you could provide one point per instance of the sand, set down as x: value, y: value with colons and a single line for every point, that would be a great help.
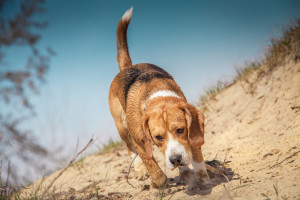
x: 250, y: 125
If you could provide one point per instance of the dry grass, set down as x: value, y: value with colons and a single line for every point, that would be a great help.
x: 243, y: 72
x: 210, y: 93
x: 112, y: 146
x: 285, y: 48
x: 279, y: 52
x: 8, y: 191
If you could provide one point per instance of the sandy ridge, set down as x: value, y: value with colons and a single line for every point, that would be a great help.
x: 251, y: 125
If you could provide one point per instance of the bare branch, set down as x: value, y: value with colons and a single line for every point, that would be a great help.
x: 62, y: 171
x: 284, y: 159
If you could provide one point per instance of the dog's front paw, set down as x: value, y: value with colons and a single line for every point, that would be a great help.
x: 187, y: 176
x: 141, y: 173
x: 140, y: 170
x: 201, y: 173
x: 160, y: 180
x: 202, y: 177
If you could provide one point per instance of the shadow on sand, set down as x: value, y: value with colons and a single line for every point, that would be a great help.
x: 192, y: 188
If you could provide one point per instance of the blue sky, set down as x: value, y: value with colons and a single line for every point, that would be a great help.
x: 198, y: 42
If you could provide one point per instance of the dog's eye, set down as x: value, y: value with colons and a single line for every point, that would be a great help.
x: 158, y: 137
x: 180, y: 130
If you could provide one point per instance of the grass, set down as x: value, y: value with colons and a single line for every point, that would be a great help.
x: 243, y: 72
x: 6, y: 189
x: 279, y: 52
x: 9, y: 192
x: 96, y: 190
x: 276, y: 192
x: 12, y: 192
x: 285, y: 48
x: 210, y: 93
x: 79, y: 164
x: 111, y: 146
x: 162, y: 190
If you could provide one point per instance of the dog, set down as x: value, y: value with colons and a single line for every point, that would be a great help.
x: 149, y: 109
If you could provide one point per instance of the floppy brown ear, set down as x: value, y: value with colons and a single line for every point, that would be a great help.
x: 195, y: 122
x: 145, y: 138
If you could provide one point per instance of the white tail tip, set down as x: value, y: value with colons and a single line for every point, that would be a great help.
x: 128, y: 14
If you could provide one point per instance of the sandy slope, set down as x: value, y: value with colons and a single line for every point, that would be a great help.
x: 252, y: 125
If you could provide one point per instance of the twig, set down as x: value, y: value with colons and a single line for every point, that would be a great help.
x: 161, y: 192
x: 223, y: 166
x: 13, y: 186
x: 216, y: 156
x: 108, y: 172
x: 62, y: 171
x: 263, y: 194
x: 225, y: 177
x: 179, y: 189
x: 295, y: 107
x: 212, y: 169
x: 222, y: 173
x: 8, y: 172
x: 76, y: 148
x: 0, y: 173
x: 129, y: 172
x: 284, y: 159
x: 228, y: 192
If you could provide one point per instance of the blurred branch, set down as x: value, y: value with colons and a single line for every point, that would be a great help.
x: 62, y: 171
x: 21, y: 30
x: 18, y: 30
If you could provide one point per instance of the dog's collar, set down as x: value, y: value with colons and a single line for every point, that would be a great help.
x: 161, y: 93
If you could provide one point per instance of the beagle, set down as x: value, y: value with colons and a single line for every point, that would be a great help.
x: 149, y: 108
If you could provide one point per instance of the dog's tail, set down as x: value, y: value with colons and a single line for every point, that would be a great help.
x: 123, y: 56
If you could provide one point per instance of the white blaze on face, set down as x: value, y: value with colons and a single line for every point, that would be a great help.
x: 175, y: 148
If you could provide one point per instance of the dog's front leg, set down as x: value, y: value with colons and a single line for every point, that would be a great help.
x: 199, y: 166
x: 158, y: 177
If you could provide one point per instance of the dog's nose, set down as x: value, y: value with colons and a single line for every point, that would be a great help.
x: 176, y: 160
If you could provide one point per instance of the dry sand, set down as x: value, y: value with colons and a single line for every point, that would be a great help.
x: 250, y: 125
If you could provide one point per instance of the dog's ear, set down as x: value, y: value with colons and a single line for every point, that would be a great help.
x: 144, y: 137
x: 195, y: 124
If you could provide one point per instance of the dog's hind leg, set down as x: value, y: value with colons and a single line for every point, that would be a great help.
x: 120, y: 121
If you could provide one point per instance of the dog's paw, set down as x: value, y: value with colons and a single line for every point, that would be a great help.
x: 202, y: 176
x: 203, y: 180
x: 187, y: 176
x: 160, y: 180
x: 140, y: 170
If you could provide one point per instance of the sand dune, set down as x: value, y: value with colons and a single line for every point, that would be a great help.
x: 253, y: 125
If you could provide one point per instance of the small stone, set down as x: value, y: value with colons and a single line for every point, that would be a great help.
x: 146, y: 187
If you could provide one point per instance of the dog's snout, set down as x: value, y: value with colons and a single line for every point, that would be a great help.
x: 176, y: 160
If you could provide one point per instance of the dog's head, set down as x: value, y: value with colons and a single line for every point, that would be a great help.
x: 175, y: 127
